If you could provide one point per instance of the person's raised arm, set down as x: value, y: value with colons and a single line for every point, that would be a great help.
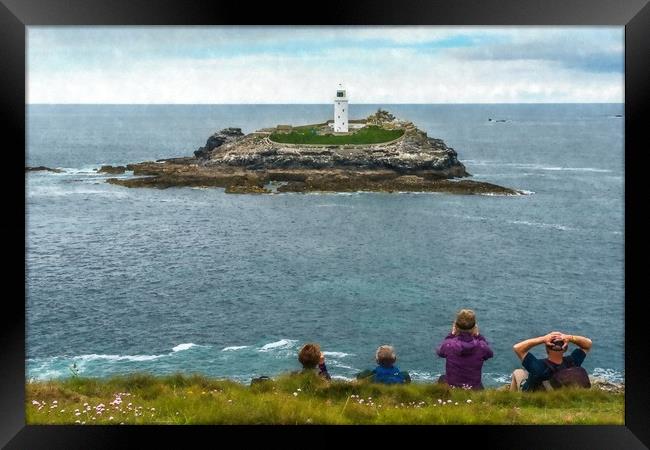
x: 581, y: 341
x: 523, y: 347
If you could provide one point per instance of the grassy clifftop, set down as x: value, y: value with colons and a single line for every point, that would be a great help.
x: 304, y: 399
x: 308, y: 136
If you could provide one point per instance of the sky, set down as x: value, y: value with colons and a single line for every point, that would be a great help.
x: 252, y: 64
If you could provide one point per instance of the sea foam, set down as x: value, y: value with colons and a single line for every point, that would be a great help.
x: 336, y: 354
x: 96, y: 357
x: 181, y: 347
x: 282, y: 343
x: 233, y: 348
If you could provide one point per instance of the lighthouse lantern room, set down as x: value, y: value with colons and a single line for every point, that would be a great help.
x: 340, y: 111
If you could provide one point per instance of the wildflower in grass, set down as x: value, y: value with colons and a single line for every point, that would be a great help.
x: 77, y: 421
x: 456, y: 403
x: 469, y: 400
x: 295, y: 394
x: 77, y: 414
x: 110, y: 418
x: 35, y: 402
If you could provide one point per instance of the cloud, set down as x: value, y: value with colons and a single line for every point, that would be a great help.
x: 377, y: 65
x: 591, y: 50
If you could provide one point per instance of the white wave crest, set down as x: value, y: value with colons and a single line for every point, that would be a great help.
x: 181, y: 347
x: 424, y: 376
x: 336, y: 354
x: 282, y: 343
x: 342, y: 366
x: 611, y: 375
x: 534, y: 166
x: 96, y: 357
x: 576, y: 169
x: 501, y: 378
x: 542, y: 225
x: 342, y: 378
x: 58, y: 191
x: 233, y: 348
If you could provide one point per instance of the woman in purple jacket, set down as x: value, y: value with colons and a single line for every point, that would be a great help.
x: 465, y: 350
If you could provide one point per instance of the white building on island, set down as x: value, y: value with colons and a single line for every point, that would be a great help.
x: 340, y: 111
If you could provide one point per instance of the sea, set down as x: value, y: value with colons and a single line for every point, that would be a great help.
x: 193, y: 280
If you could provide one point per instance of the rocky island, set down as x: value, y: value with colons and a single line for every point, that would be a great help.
x: 379, y: 153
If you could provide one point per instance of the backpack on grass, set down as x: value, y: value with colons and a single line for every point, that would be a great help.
x: 568, y: 374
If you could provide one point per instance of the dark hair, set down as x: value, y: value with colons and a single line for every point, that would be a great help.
x: 309, y: 355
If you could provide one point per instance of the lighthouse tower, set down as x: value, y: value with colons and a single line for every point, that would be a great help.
x: 340, y: 111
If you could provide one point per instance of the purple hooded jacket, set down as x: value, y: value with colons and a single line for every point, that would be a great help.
x: 465, y: 354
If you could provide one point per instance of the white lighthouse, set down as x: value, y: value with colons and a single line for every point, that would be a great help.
x: 340, y: 111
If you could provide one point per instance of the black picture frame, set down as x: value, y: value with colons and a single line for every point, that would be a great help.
x: 16, y: 15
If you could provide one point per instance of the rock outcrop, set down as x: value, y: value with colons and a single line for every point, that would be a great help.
x: 249, y: 163
x: 413, y: 151
x: 112, y: 169
x: 42, y: 168
x: 217, y: 140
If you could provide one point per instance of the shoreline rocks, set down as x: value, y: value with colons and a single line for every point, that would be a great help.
x: 112, y: 169
x: 239, y: 180
x: 42, y: 168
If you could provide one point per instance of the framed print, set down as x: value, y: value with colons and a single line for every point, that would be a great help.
x: 379, y: 215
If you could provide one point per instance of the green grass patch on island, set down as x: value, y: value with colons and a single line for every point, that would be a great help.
x: 304, y: 399
x: 309, y: 136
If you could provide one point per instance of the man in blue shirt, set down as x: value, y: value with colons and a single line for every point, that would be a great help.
x: 538, y: 372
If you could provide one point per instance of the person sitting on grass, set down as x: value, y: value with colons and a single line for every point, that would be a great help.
x: 386, y: 372
x: 554, y: 371
x: 313, y: 360
x: 465, y: 350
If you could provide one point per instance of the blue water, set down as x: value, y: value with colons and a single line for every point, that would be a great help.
x: 196, y: 280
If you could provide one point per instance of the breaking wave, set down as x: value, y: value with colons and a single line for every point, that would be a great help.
x: 233, y: 348
x: 282, y: 343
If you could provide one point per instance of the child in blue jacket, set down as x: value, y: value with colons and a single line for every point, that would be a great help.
x: 386, y: 372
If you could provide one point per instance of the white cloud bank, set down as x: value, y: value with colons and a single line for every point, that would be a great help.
x: 400, y: 69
